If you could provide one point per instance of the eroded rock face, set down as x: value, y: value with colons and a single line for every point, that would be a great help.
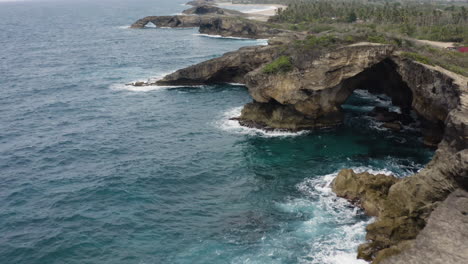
x: 211, y: 10
x: 310, y: 96
x: 244, y: 28
x: 364, y: 189
x: 231, y: 67
x: 410, y: 201
x: 443, y: 240
x: 228, y: 24
x: 171, y: 21
x: 317, y: 87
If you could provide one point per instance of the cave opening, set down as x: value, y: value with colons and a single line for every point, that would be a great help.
x: 380, y: 95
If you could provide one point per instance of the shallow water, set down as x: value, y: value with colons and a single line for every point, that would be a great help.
x: 93, y: 171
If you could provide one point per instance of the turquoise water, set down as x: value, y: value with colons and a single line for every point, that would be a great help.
x: 92, y: 171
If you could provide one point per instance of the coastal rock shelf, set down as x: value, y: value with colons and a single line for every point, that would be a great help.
x: 310, y: 95
x: 294, y: 88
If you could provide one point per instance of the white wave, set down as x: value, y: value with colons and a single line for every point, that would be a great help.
x: 131, y: 88
x: 340, y: 245
x: 233, y: 126
x: 221, y: 37
x: 147, y: 88
x: 124, y: 27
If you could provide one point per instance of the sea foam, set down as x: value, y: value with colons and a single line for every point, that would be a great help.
x: 233, y: 126
x: 340, y: 246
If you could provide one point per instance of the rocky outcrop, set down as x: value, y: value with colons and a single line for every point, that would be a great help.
x: 404, y: 211
x: 211, y: 10
x: 317, y: 85
x: 309, y: 94
x: 443, y: 240
x: 231, y: 67
x: 238, y: 27
x: 363, y: 189
x: 171, y: 21
x: 201, y: 2
x: 227, y: 25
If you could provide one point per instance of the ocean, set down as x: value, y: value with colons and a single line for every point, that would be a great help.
x: 94, y: 171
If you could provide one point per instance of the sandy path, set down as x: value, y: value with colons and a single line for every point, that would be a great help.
x: 262, y: 15
x: 443, y: 45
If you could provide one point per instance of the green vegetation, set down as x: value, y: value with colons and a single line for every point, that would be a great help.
x: 417, y: 57
x: 448, y: 59
x: 281, y: 64
x: 424, y: 20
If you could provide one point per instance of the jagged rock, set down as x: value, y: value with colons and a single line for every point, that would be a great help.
x: 228, y: 25
x: 443, y: 240
x: 316, y: 88
x: 211, y: 10
x: 171, y: 21
x: 273, y: 116
x: 230, y: 68
x: 364, y: 189
x: 395, y: 126
x: 238, y: 27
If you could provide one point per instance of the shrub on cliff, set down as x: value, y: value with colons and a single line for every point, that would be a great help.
x: 281, y: 64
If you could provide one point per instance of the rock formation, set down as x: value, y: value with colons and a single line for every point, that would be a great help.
x: 297, y: 88
x: 201, y: 2
x: 222, y: 25
x: 231, y: 67
x: 363, y: 189
x: 211, y: 10
x: 309, y: 95
x: 171, y: 21
x: 443, y: 240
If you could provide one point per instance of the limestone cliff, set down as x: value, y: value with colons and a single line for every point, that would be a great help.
x: 444, y: 238
x: 308, y: 94
x: 231, y: 67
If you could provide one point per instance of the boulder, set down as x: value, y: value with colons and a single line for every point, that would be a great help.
x: 366, y: 190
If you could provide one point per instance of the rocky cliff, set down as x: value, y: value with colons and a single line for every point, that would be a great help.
x: 444, y: 238
x: 307, y: 93
x: 212, y: 10
x: 230, y: 68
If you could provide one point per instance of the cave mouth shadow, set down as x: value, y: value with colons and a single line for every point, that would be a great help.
x: 383, y: 79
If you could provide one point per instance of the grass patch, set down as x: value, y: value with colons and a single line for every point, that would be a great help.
x: 281, y: 64
x: 417, y: 57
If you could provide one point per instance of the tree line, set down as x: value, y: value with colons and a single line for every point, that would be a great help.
x: 436, y: 21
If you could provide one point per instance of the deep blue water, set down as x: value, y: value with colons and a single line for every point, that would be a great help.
x: 92, y: 171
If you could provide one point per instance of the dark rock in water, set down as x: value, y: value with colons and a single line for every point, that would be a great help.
x: 364, y: 189
x: 443, y: 240
x: 387, y: 117
x: 395, y: 126
x: 273, y: 115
